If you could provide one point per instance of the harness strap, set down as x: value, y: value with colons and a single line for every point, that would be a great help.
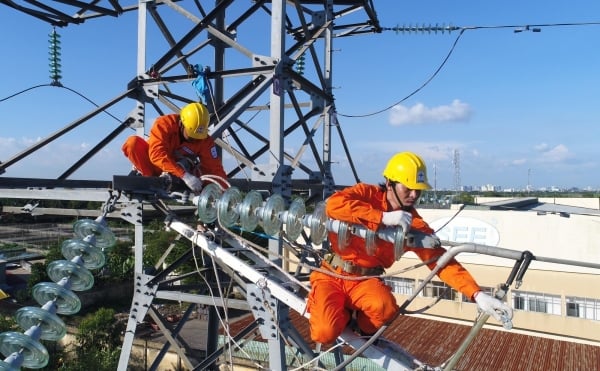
x: 336, y: 261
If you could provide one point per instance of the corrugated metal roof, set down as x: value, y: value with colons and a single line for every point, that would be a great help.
x: 532, y: 204
x: 433, y: 342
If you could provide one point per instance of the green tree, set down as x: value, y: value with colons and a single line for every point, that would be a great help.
x: 464, y: 198
x: 120, y: 262
x: 7, y: 323
x: 98, y: 343
x: 38, y: 274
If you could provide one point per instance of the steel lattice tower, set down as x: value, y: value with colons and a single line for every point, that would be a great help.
x: 456, y: 164
x: 244, y: 79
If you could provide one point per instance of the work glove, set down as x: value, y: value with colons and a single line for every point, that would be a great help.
x: 167, y: 181
x: 420, y: 239
x: 193, y: 183
x: 398, y: 217
x: 495, y: 308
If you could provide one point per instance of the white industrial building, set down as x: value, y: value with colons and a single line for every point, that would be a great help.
x: 560, y: 291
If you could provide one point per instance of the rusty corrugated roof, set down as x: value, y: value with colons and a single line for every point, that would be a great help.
x: 433, y: 342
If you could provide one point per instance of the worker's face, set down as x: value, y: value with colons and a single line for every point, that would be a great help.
x: 407, y: 196
x: 185, y: 136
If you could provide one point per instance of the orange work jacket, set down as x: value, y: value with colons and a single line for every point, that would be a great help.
x: 167, y: 145
x: 364, y: 204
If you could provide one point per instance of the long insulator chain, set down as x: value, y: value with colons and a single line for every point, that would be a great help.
x: 424, y: 28
x: 54, y: 57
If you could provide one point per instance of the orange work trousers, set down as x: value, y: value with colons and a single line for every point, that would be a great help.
x: 135, y: 149
x: 332, y: 300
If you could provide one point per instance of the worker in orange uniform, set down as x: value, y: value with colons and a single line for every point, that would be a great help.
x: 178, y: 148
x: 332, y: 299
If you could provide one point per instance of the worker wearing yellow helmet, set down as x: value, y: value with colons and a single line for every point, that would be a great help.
x: 409, y: 170
x: 178, y: 148
x: 194, y: 120
x: 333, y: 298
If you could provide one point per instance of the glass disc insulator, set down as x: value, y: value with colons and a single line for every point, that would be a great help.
x: 317, y: 224
x: 269, y: 214
x: 66, y: 301
x: 53, y: 328
x: 104, y: 236
x: 248, y: 217
x: 34, y: 353
x: 293, y: 219
x: 398, y: 243
x: 80, y: 278
x: 370, y: 246
x: 92, y: 257
x: 227, y: 207
x: 207, y: 210
x: 343, y: 235
x: 7, y: 366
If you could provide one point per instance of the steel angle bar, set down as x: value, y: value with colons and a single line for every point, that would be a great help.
x: 57, y: 194
x: 97, y: 148
x: 58, y: 186
x: 240, y: 106
x: 202, y: 299
x: 211, y: 358
x: 173, y: 339
x: 182, y: 58
x: 175, y: 332
x: 59, y: 133
x: 211, y: 248
x: 201, y: 26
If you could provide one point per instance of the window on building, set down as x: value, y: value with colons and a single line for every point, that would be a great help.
x: 583, y: 307
x: 487, y: 290
x: 399, y: 285
x: 436, y: 288
x: 536, y: 302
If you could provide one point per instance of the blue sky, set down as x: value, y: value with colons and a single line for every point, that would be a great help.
x: 517, y: 107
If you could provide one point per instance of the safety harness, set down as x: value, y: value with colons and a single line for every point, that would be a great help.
x: 335, y: 261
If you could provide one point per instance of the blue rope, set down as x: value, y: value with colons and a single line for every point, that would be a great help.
x: 201, y: 83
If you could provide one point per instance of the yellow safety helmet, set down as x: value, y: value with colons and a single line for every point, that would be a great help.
x: 409, y: 169
x: 194, y: 118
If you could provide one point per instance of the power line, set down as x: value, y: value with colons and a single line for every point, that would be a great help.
x: 443, y: 29
x: 59, y: 85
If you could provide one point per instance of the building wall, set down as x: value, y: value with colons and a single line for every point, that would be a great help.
x: 566, y: 264
x: 562, y: 284
x: 550, y: 237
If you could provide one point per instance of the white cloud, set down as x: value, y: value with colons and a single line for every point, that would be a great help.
x: 371, y: 157
x: 420, y: 114
x: 557, y: 153
x: 519, y: 161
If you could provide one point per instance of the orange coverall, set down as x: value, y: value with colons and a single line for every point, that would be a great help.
x: 331, y: 300
x: 166, y: 146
